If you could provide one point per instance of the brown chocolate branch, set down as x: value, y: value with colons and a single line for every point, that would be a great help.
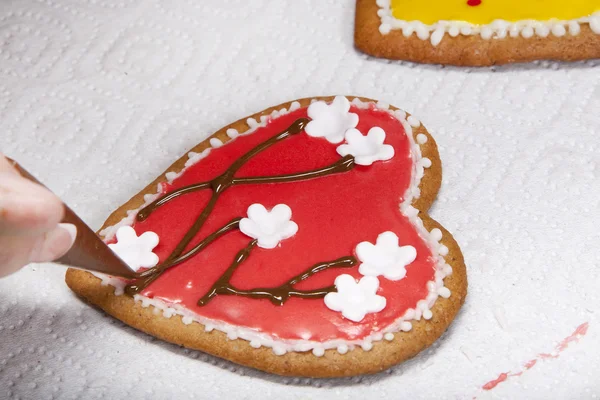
x: 277, y: 295
x: 344, y: 164
x: 218, y: 185
x: 150, y: 275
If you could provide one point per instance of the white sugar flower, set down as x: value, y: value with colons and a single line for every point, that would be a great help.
x: 355, y: 299
x: 269, y: 227
x: 331, y: 121
x: 385, y: 258
x: 135, y: 251
x: 366, y: 149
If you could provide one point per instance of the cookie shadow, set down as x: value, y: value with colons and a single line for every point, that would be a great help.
x: 422, y: 361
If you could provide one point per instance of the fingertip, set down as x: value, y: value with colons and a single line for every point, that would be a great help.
x: 29, y: 209
x: 55, y: 243
x: 71, y: 229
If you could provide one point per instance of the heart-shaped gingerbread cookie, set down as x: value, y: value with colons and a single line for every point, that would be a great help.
x: 295, y: 241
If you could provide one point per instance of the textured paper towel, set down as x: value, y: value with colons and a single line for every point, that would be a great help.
x: 97, y: 97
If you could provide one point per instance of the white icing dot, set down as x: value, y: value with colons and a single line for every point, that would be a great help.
x: 444, y: 292
x: 378, y: 336
x: 255, y: 343
x: 574, y: 28
x: 400, y: 114
x: 426, y: 162
x: 389, y: 336
x: 148, y: 198
x: 318, y: 351
x: 422, y: 32
x: 384, y: 29
x: 436, y: 234
x: 156, y: 311
x: 342, y: 349
x: 232, y: 133
x: 443, y: 250
x: 208, y: 328
x: 278, y: 350
x: 383, y: 106
x: 294, y: 106
x: 414, y: 122
x: 542, y: 30
x: 422, y: 305
x: 232, y: 335
x: 427, y: 314
x: 187, y: 320
x: 558, y: 30
x: 405, y: 326
x: 447, y: 270
x: 454, y: 31
x: 171, y: 176
x: 486, y: 32
x: 252, y: 123
x: 357, y: 102
x: 421, y: 138
x: 527, y: 32
x: 366, y: 346
x: 214, y: 142
x: 437, y: 36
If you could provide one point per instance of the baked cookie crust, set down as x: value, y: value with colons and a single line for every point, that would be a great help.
x: 468, y: 50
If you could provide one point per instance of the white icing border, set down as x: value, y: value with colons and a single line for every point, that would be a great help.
x: 257, y: 339
x: 497, y: 29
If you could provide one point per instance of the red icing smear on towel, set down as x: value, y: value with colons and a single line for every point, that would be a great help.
x: 334, y: 214
x: 572, y: 338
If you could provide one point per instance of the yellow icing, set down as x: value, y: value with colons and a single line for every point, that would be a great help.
x: 431, y: 11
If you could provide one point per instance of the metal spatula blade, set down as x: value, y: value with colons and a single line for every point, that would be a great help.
x: 88, y: 252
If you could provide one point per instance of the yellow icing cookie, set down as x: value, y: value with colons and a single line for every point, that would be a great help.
x: 480, y: 12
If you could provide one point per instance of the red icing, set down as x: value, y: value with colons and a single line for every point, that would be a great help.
x: 334, y: 214
x: 474, y: 2
x: 574, y: 337
x: 492, y: 384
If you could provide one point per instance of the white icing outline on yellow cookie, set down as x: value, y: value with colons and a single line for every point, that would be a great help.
x: 423, y: 307
x: 498, y: 29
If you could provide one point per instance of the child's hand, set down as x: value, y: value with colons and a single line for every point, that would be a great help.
x: 29, y: 222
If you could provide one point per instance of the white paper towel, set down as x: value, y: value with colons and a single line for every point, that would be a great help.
x: 98, y: 97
